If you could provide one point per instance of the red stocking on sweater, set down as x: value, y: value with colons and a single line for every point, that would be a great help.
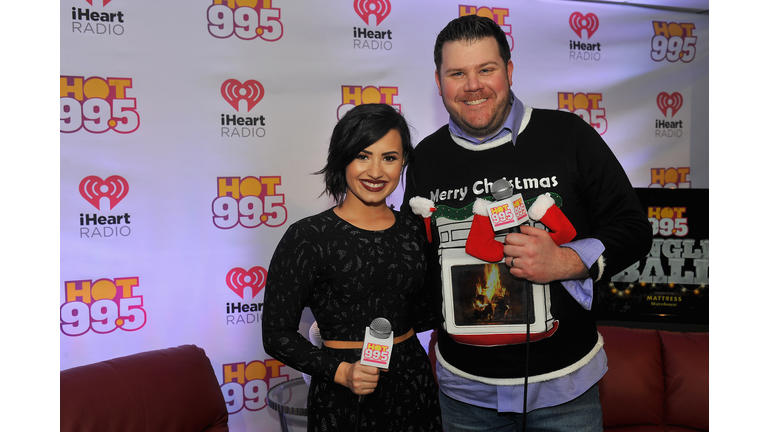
x: 481, y: 243
x: 545, y: 211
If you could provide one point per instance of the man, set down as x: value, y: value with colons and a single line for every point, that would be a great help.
x: 550, y: 383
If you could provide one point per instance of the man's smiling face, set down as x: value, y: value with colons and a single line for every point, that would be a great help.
x: 474, y: 81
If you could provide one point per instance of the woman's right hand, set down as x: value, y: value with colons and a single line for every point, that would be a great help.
x: 361, y: 379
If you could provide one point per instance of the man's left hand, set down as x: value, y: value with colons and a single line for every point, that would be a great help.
x: 533, y: 255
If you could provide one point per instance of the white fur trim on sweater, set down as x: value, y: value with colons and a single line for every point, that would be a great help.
x: 497, y: 142
x: 540, y: 206
x: 531, y: 379
x: 526, y: 119
x: 421, y: 206
x: 600, y: 267
x: 480, y: 207
x: 480, y: 147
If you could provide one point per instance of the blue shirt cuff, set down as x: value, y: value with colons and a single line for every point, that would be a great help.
x: 589, y: 250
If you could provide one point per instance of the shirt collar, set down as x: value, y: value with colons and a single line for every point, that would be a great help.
x: 511, y: 124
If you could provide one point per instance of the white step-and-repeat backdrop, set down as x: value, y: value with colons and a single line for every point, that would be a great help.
x: 189, y: 131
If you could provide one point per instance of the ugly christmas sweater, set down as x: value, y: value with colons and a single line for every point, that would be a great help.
x: 555, y: 152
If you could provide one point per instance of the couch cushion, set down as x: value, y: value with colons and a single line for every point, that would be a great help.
x: 166, y: 390
x: 632, y: 391
x: 686, y: 376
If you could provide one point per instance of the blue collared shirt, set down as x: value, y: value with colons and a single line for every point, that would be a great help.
x: 511, y: 124
x: 541, y: 394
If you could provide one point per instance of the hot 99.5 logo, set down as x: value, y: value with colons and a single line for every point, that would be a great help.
x: 668, y: 221
x: 246, y: 384
x: 97, y: 105
x: 249, y: 202
x: 585, y: 105
x: 673, y: 41
x: 102, y: 306
x: 246, y: 19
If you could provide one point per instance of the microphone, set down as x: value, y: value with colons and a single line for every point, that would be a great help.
x: 377, y: 350
x: 508, y: 211
x: 378, y: 343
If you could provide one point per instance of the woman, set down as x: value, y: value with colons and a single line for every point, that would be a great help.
x: 351, y: 264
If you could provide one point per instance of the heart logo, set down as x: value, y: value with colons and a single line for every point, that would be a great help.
x: 93, y: 188
x: 378, y: 8
x: 234, y: 91
x: 238, y: 279
x: 581, y: 22
x: 666, y: 101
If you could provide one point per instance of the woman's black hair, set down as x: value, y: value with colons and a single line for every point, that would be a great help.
x: 360, y: 127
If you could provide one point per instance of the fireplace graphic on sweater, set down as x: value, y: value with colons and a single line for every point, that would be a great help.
x: 498, y: 297
x: 483, y: 303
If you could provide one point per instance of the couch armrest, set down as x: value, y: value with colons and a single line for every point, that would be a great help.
x: 167, y: 390
x: 686, y: 376
x: 632, y: 391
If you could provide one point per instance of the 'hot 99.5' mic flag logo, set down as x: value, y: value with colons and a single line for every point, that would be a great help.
x: 245, y: 19
x: 97, y: 105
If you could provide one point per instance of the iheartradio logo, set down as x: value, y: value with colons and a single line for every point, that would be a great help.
x: 373, y: 12
x: 93, y: 189
x: 672, y: 101
x: 233, y: 91
x: 588, y: 22
x: 238, y: 279
x: 98, y: 2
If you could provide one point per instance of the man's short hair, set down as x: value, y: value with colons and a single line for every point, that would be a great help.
x: 471, y: 28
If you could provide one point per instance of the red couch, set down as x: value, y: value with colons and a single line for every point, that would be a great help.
x: 167, y: 390
x: 656, y: 380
